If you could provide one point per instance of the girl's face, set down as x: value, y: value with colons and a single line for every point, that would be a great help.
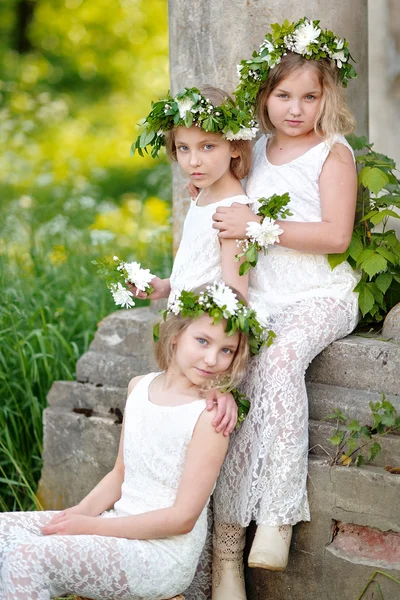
x: 205, y: 157
x: 203, y: 350
x: 294, y: 103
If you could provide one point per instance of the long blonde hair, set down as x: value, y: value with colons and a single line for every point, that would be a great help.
x: 333, y: 116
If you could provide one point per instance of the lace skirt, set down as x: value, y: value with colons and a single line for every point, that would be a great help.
x: 264, y: 474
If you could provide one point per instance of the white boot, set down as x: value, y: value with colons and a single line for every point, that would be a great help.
x: 270, y: 548
x: 227, y: 570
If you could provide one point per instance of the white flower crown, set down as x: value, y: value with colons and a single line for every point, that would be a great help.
x: 189, y: 108
x: 304, y: 37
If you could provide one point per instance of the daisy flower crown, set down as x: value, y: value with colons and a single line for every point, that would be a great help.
x: 220, y: 302
x: 189, y: 108
x: 304, y: 37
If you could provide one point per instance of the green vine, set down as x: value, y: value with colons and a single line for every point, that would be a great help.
x: 378, y: 587
x: 376, y: 254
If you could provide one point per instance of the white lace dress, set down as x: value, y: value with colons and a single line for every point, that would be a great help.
x: 38, y: 567
x: 198, y: 260
x: 308, y: 305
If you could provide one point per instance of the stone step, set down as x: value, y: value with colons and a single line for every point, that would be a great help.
x: 320, y: 446
x: 354, y: 403
x: 359, y: 362
x: 366, y: 497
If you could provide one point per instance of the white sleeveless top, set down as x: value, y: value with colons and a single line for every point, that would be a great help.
x: 198, y: 260
x: 284, y: 276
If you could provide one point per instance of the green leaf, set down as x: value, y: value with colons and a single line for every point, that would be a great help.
x: 337, y: 259
x: 383, y: 281
x: 359, y: 460
x: 156, y: 332
x: 337, y: 438
x: 374, y: 264
x: 244, y: 268
x: 373, y: 178
x: 374, y: 451
x: 355, y: 248
x: 357, y: 143
x: 383, y: 214
x: 366, y: 298
x: 390, y: 256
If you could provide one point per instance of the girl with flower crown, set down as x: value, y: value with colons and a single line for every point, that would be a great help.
x: 206, y: 133
x: 139, y: 533
x: 295, y: 83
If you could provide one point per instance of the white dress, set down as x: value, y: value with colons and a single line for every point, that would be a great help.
x: 198, y: 260
x: 38, y: 567
x: 308, y: 305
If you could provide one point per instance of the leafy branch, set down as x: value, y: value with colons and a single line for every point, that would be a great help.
x: 376, y: 254
x: 352, y: 440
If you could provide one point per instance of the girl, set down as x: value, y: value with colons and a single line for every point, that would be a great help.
x: 296, y: 80
x: 148, y: 545
x: 209, y: 137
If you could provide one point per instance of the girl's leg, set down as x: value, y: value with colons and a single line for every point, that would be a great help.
x: 17, y: 525
x: 265, y: 472
x: 42, y: 567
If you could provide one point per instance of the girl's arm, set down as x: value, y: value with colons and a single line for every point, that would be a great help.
x: 106, y: 492
x: 338, y: 191
x: 230, y: 268
x: 204, y: 458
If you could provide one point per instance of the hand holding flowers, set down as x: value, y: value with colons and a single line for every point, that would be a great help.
x: 263, y: 234
x: 119, y: 274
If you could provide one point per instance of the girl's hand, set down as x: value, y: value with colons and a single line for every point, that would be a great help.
x: 192, y: 190
x: 232, y: 220
x: 227, y: 411
x: 74, y: 510
x: 161, y: 289
x: 70, y: 524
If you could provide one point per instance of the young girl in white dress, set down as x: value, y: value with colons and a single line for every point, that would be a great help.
x: 308, y: 305
x: 148, y: 542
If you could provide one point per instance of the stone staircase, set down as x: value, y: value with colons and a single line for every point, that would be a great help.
x: 355, y: 527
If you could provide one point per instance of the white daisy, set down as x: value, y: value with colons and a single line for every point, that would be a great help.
x: 305, y: 35
x: 265, y: 233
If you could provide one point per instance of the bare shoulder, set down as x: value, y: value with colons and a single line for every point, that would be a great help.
x: 133, y: 382
x: 205, y: 430
x: 342, y: 154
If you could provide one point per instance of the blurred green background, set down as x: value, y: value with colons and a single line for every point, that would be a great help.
x: 76, y: 76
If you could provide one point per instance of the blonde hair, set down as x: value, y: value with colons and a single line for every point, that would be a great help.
x: 240, y: 166
x: 333, y: 116
x: 174, y: 325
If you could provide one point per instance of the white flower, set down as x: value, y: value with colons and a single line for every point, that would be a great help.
x: 239, y: 69
x: 268, y: 46
x: 225, y: 298
x: 122, y: 296
x: 305, y: 35
x: 339, y: 57
x: 184, y: 106
x: 160, y: 133
x: 244, y: 133
x: 174, y: 304
x: 339, y: 43
x: 139, y: 277
x: 101, y: 236
x: 265, y: 233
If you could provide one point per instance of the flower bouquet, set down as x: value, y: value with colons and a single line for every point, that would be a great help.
x: 118, y: 273
x: 264, y: 234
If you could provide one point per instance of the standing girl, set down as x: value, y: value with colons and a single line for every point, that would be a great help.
x: 148, y: 545
x: 295, y: 80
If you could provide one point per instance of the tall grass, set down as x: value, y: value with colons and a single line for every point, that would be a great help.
x: 50, y: 303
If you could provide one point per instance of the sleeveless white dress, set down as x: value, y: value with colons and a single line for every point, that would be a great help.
x: 38, y: 567
x: 198, y: 260
x: 308, y: 305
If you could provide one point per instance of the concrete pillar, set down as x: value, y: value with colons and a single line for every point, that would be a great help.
x: 209, y: 37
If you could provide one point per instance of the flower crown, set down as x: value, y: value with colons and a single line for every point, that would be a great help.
x: 189, y: 108
x: 220, y: 302
x: 303, y: 37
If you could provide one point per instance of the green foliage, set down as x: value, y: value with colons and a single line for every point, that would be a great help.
x: 352, y: 440
x: 70, y: 194
x: 374, y: 252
